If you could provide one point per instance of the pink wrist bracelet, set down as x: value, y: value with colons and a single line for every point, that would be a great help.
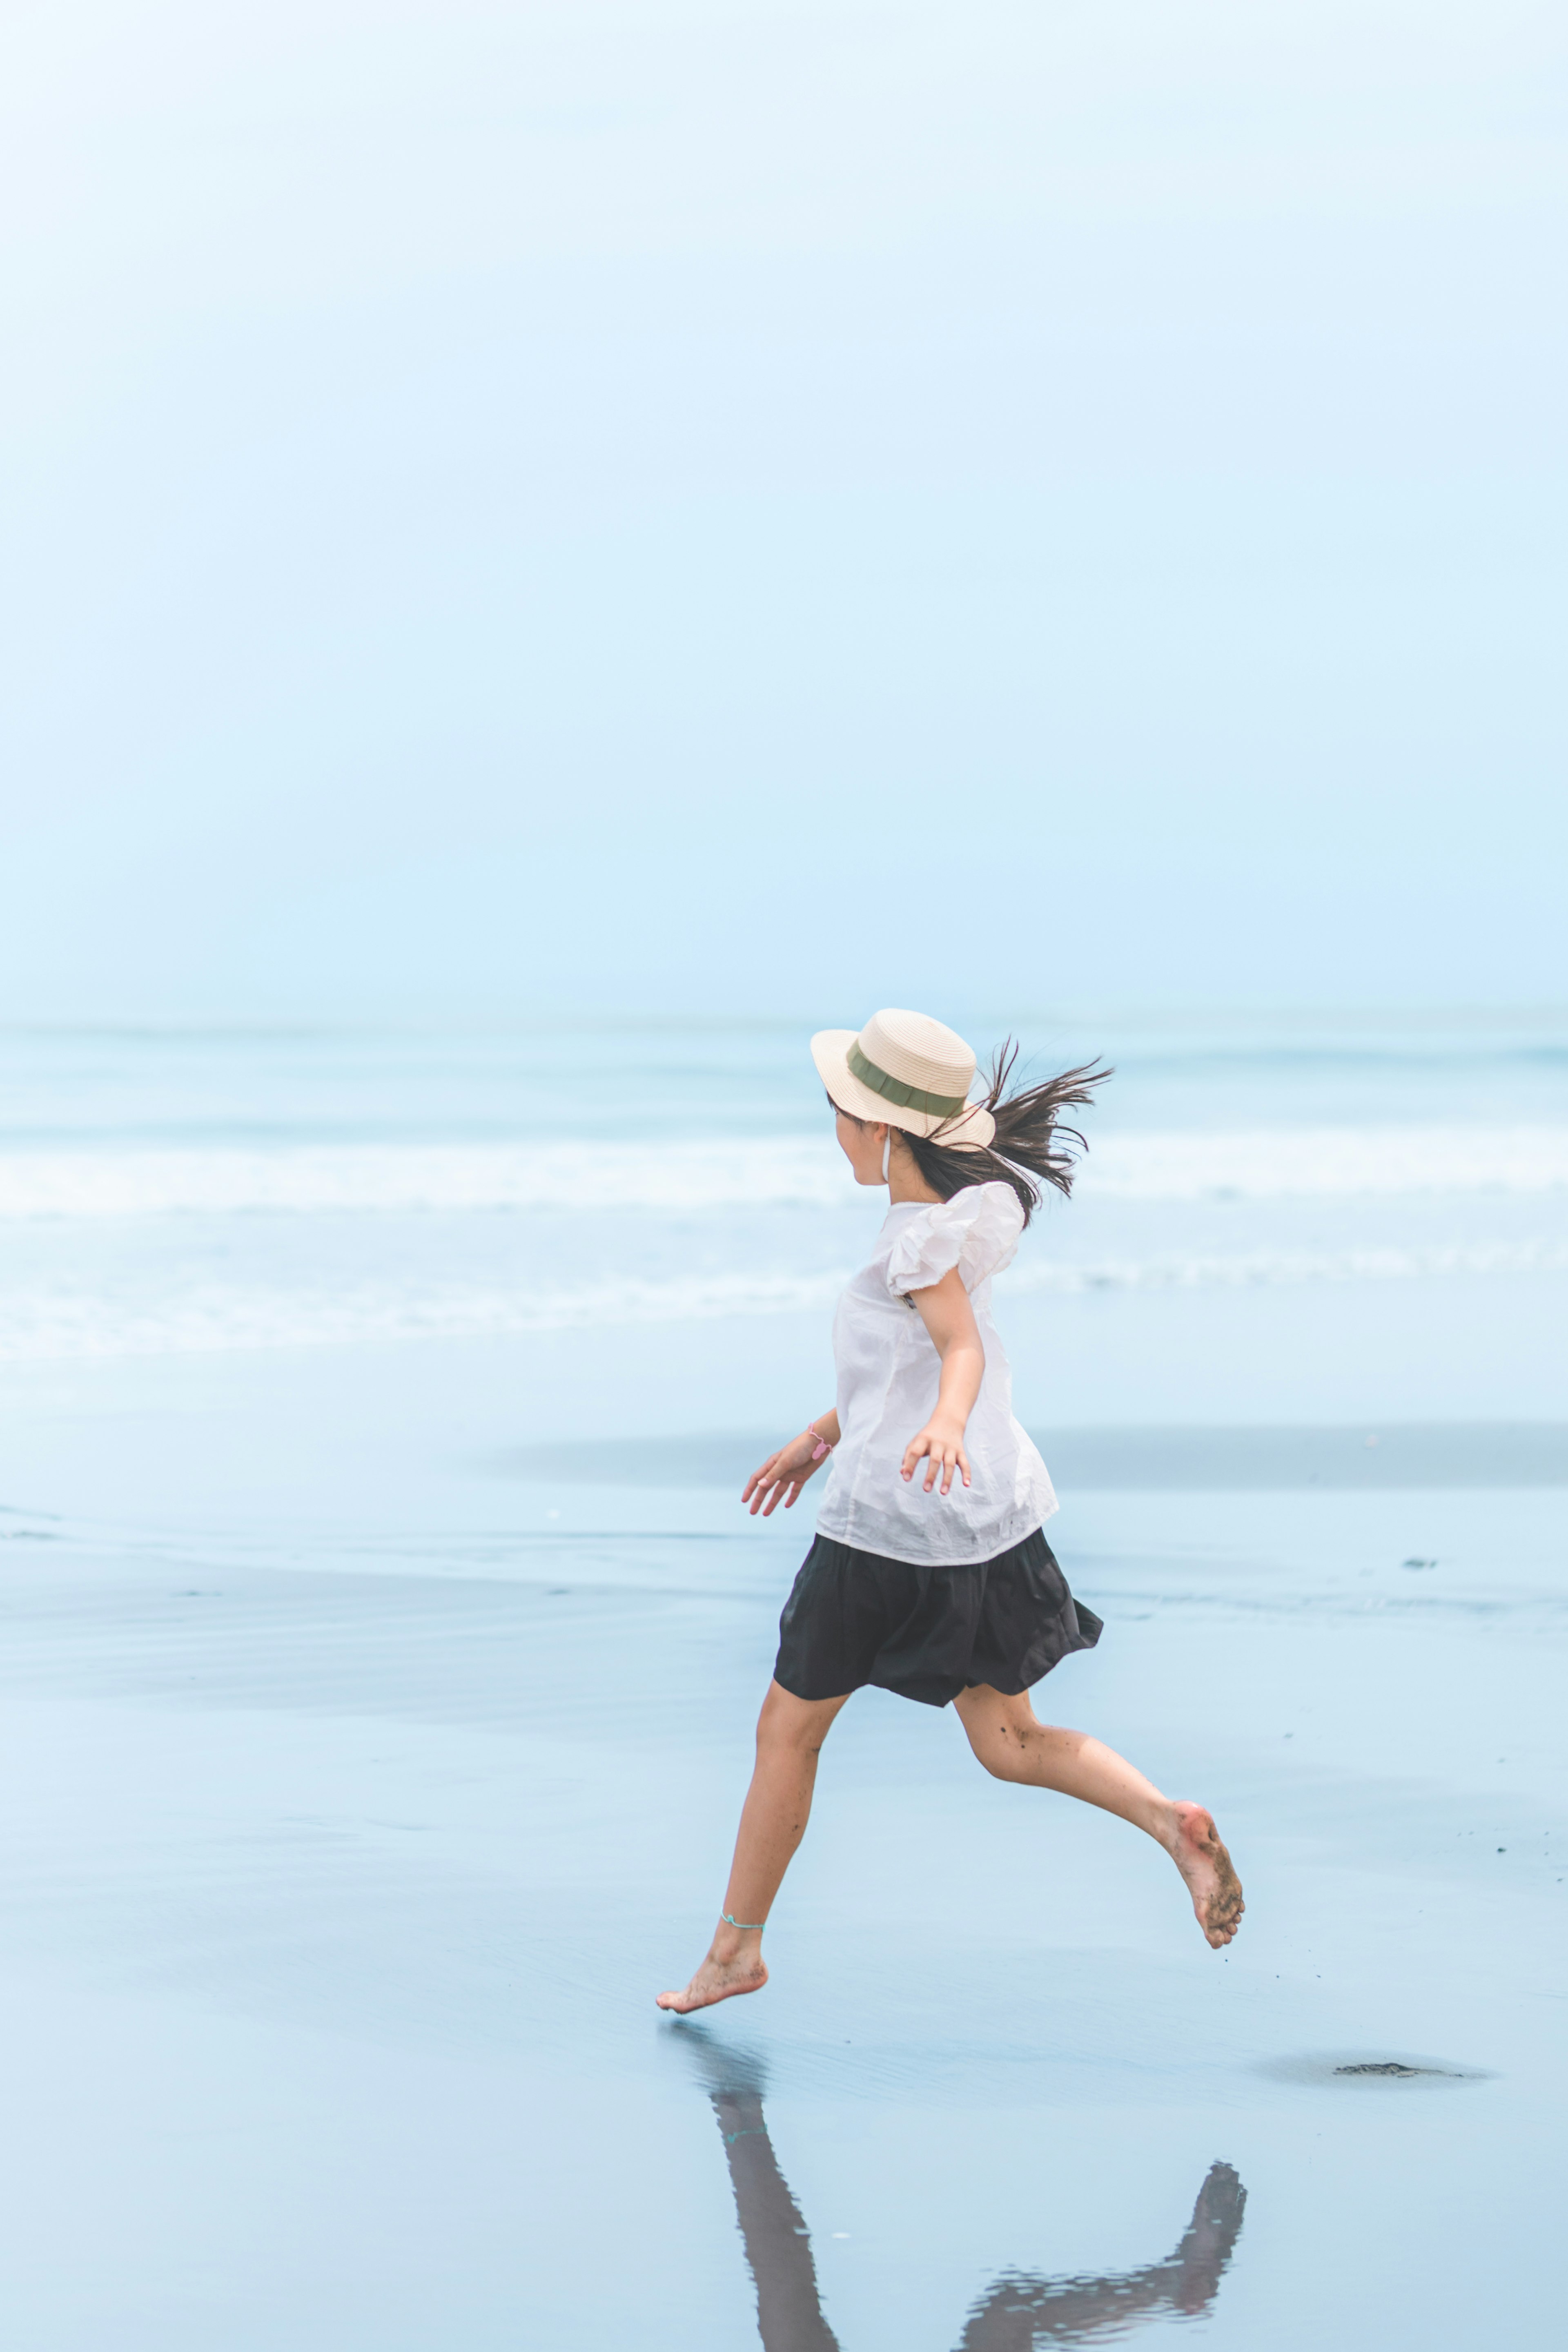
x: 822, y: 1445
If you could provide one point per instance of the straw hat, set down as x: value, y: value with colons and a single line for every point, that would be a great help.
x: 909, y: 1070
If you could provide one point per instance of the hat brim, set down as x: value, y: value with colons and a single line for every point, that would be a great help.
x: 971, y: 1130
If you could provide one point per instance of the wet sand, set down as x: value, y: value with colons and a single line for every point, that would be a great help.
x: 1116, y: 1460
x: 346, y: 1851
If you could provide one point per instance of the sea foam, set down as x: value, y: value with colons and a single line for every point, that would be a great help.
x: 58, y: 1321
x: 1256, y: 1164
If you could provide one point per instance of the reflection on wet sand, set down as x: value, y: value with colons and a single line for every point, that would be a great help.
x: 777, y: 2244
x: 1018, y: 2313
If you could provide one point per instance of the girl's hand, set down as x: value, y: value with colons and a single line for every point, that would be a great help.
x: 942, y: 1444
x: 782, y: 1475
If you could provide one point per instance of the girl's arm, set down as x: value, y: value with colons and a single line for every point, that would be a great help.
x: 784, y: 1474
x: 945, y: 1311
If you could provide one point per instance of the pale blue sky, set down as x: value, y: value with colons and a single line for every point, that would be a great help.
x: 773, y: 506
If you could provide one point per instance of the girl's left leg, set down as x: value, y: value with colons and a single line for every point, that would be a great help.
x: 790, y: 1736
x: 1013, y: 1744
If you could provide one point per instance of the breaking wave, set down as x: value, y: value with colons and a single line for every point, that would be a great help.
x: 1254, y: 1164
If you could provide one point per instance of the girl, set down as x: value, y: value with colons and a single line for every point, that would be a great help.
x: 939, y: 1586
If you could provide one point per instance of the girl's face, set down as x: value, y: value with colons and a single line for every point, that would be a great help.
x: 861, y: 1147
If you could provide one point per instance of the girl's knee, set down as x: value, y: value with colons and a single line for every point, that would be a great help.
x: 788, y: 1726
x: 1002, y: 1753
x: 779, y: 1744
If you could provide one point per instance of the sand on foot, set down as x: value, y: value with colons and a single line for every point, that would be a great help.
x: 1198, y: 1853
x: 716, y: 1981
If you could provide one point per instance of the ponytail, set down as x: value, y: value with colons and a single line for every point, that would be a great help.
x: 1031, y: 1148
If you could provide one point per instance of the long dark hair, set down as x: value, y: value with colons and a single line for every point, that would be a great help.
x: 1032, y: 1148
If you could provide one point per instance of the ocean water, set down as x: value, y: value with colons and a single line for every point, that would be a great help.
x: 383, y: 1637
x: 165, y: 1195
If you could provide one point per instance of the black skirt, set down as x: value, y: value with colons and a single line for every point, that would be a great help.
x: 856, y: 1617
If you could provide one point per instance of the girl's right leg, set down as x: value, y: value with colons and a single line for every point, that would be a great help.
x: 1013, y: 1744
x: 790, y: 1736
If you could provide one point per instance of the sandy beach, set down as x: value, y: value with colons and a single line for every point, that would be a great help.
x: 344, y: 1862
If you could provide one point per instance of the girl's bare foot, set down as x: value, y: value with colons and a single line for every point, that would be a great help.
x: 718, y: 1980
x: 1193, y: 1844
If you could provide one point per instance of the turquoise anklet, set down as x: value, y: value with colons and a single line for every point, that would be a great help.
x: 746, y: 1925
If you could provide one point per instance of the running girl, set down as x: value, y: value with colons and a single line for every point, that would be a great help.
x: 935, y: 1582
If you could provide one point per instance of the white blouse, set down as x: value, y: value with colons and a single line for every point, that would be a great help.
x: 889, y: 1374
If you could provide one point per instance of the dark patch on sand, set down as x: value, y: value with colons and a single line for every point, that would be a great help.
x: 1353, y: 2067
x: 1262, y: 1459
x: 1390, y: 2067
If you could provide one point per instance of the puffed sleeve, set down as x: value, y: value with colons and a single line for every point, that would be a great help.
x: 976, y: 1230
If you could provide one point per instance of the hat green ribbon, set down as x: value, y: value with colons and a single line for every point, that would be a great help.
x: 893, y: 1091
